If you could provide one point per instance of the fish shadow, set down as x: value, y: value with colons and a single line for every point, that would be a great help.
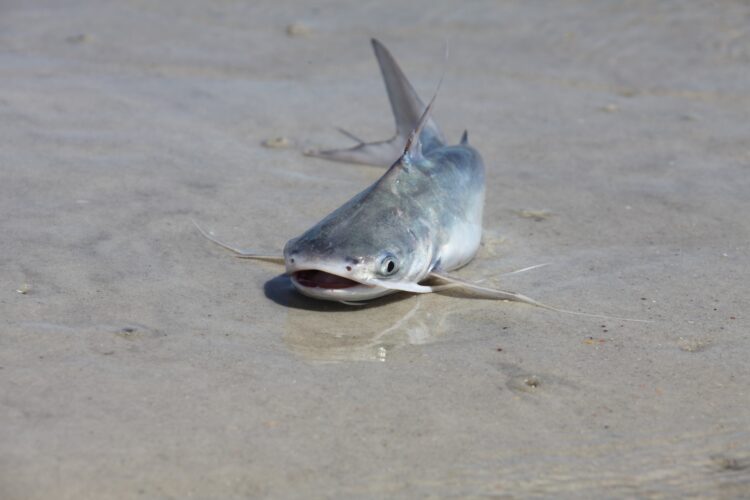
x: 281, y: 291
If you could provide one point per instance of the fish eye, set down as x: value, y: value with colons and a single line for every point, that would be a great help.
x: 388, y: 265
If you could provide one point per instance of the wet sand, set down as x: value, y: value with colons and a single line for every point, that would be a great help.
x: 138, y: 360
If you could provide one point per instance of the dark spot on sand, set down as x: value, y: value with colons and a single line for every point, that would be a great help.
x: 524, y: 383
x: 79, y: 38
x: 532, y: 382
x: 726, y: 463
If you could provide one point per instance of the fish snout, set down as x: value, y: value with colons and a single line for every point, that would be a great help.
x: 296, y: 261
x: 299, y: 261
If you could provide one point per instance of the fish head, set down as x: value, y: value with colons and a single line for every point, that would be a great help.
x: 356, y: 255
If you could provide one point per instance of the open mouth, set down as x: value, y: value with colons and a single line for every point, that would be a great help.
x: 313, y: 278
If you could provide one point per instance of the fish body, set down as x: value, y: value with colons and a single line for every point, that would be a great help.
x: 420, y: 220
x: 423, y: 215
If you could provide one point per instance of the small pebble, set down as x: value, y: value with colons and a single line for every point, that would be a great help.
x: 79, y: 38
x: 535, y: 215
x: 594, y: 341
x: 524, y: 384
x: 532, y: 382
x: 298, y: 29
x: 693, y: 344
x: 277, y: 143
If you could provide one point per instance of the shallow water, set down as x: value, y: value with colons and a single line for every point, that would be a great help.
x: 137, y: 359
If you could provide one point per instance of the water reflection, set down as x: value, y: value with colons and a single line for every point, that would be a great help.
x: 328, y: 331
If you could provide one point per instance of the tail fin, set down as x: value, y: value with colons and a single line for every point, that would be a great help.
x: 407, y: 110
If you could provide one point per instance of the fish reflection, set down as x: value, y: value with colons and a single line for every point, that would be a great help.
x: 327, y: 331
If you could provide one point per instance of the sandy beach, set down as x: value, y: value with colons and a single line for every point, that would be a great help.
x: 138, y: 360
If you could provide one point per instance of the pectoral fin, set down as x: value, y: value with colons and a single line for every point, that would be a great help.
x: 491, y: 293
x: 485, y: 292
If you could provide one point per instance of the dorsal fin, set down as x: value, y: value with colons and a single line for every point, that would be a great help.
x: 413, y: 147
x: 406, y: 105
x: 412, y: 150
x: 465, y: 138
x: 407, y: 109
